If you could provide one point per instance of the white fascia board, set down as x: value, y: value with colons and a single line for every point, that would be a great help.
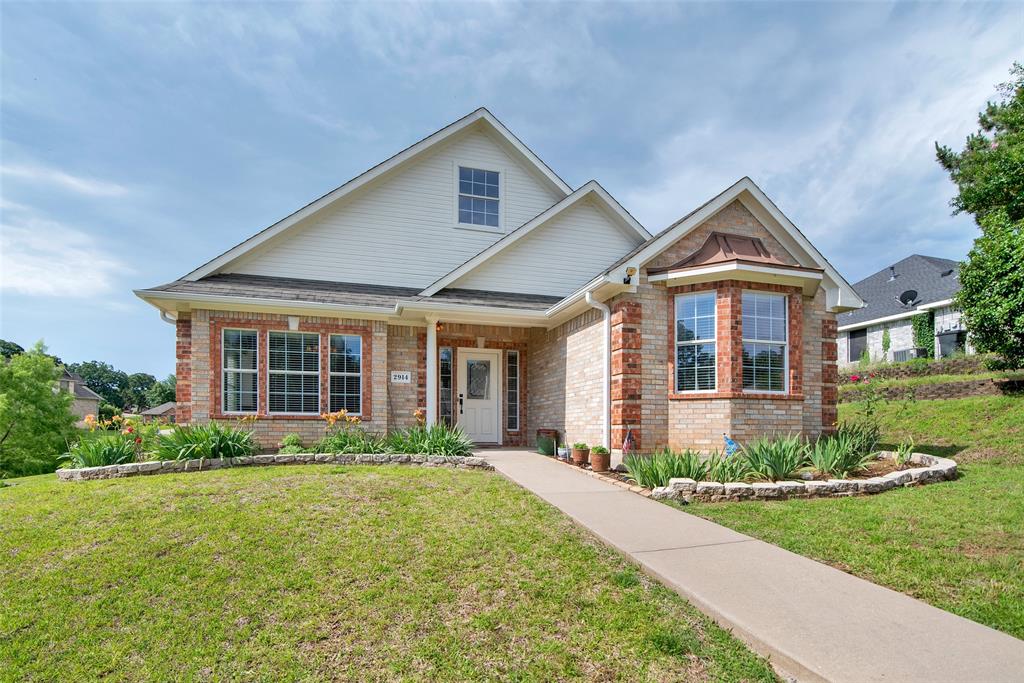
x: 935, y: 304
x: 449, y: 312
x: 156, y: 298
x: 808, y: 280
x: 878, y: 321
x: 592, y: 187
x: 374, y: 173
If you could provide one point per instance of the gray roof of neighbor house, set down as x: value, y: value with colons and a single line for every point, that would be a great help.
x: 160, y: 409
x: 344, y: 293
x: 932, y: 278
x: 80, y: 388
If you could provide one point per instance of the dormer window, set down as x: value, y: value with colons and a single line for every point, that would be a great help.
x: 478, y: 197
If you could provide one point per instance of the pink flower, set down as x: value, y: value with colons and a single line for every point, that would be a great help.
x: 854, y: 378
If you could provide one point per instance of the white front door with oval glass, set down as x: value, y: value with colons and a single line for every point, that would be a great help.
x: 477, y: 401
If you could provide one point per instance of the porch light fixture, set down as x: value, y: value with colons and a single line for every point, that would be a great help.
x: 630, y: 272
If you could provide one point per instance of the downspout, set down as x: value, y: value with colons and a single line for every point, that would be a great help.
x: 606, y: 378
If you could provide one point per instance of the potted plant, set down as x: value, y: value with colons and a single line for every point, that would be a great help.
x: 580, y: 454
x: 600, y: 459
x: 563, y: 452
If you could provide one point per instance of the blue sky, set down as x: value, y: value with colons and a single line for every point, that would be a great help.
x: 138, y: 140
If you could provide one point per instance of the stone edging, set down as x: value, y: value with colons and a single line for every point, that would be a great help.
x: 933, y: 469
x: 135, y: 469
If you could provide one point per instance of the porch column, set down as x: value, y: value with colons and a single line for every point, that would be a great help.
x: 431, y: 416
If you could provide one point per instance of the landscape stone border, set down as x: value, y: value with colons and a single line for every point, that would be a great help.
x: 932, y: 469
x: 135, y: 469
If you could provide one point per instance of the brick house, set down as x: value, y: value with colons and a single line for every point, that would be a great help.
x: 464, y: 277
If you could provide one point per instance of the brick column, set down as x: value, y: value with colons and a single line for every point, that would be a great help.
x: 627, y: 372
x: 183, y: 369
x: 829, y: 376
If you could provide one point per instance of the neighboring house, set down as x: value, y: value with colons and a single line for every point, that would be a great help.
x: 164, y: 412
x: 893, y: 297
x: 87, y: 401
x: 464, y: 277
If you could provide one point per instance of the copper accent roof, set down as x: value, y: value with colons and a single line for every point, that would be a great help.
x: 722, y: 247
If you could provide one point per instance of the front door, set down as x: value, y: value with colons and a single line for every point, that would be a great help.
x: 479, y: 393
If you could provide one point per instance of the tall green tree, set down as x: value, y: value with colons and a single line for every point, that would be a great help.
x: 35, y: 420
x: 136, y: 390
x: 9, y: 348
x: 162, y: 391
x: 989, y: 174
x: 104, y: 379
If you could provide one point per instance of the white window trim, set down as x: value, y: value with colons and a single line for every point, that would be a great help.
x: 223, y: 369
x: 510, y: 354
x: 502, y: 204
x: 331, y: 373
x: 785, y: 345
x: 677, y: 343
x: 319, y: 380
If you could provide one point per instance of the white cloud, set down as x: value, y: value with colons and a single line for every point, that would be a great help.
x: 39, y: 257
x: 92, y: 187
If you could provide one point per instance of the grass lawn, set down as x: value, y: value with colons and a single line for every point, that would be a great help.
x: 327, y: 573
x: 923, y: 380
x: 957, y: 545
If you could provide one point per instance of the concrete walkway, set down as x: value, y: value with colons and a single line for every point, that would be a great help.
x: 813, y: 622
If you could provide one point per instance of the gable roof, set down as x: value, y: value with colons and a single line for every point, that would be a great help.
x: 933, y: 279
x: 840, y: 295
x: 479, y: 117
x: 160, y: 409
x: 590, y: 189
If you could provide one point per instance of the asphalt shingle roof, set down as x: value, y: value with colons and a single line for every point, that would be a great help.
x: 345, y: 293
x: 934, y: 279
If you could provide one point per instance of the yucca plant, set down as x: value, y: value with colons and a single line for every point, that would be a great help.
x: 863, y: 436
x: 776, y: 458
x: 116, y: 449
x: 437, y: 439
x: 655, y: 470
x: 350, y: 440
x: 836, y: 455
x: 726, y: 468
x: 213, y: 440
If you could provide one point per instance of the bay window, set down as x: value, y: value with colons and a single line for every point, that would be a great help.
x: 294, y: 372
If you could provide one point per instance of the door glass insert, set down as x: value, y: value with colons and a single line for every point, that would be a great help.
x: 478, y: 379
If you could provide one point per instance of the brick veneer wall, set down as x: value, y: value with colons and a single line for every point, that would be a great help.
x: 204, y: 359
x: 183, y: 369
x: 627, y: 372
x: 405, y: 355
x: 566, y: 378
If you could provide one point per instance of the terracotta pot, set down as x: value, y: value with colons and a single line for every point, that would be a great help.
x: 600, y: 462
x: 580, y: 456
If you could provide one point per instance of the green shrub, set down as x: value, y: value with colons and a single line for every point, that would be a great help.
x: 776, y: 458
x: 580, y: 446
x: 655, y: 470
x: 291, y: 450
x: 838, y: 455
x: 599, y: 450
x: 115, y: 449
x: 437, y: 439
x: 292, y: 439
x: 350, y: 440
x: 211, y: 440
x: 726, y: 468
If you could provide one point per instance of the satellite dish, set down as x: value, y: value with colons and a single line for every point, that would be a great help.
x: 908, y: 297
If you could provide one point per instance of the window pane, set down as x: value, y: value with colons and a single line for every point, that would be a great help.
x: 465, y: 187
x: 444, y: 404
x: 478, y: 379
x: 465, y: 173
x: 764, y: 366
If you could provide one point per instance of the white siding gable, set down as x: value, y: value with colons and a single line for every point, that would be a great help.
x: 557, y: 257
x: 401, y: 229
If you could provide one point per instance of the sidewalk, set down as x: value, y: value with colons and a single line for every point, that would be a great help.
x: 814, y: 622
